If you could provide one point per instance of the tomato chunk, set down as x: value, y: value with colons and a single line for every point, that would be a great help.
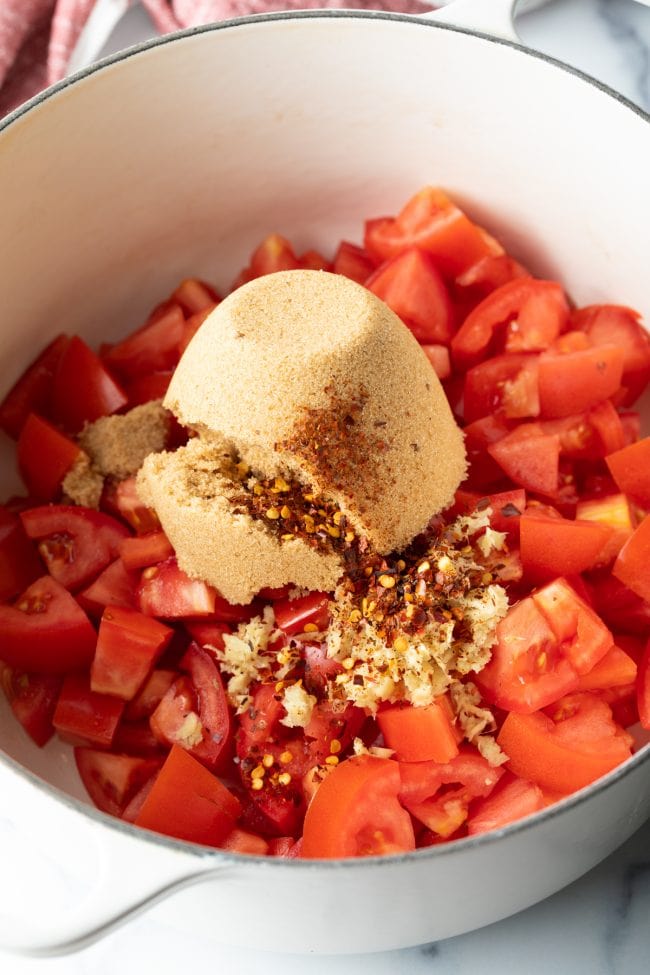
x: 32, y: 392
x: 32, y: 698
x: 615, y: 669
x: 576, y: 381
x: 551, y: 547
x: 45, y: 631
x: 505, y: 382
x: 414, y: 289
x: 305, y: 613
x: 208, y: 811
x: 353, y: 262
x: 630, y: 468
x: 82, y: 388
x: 44, y: 456
x: 75, y: 543
x: 607, y: 324
x: 530, y: 457
x: 422, y: 780
x: 19, y: 563
x: 84, y: 717
x: 419, y: 734
x: 631, y: 565
x: 643, y: 689
x: 152, y: 348
x: 128, y: 645
x: 513, y: 800
x: 111, y: 781
x: 356, y: 812
x: 115, y: 586
x: 166, y: 591
x: 137, y: 553
x: 567, y: 751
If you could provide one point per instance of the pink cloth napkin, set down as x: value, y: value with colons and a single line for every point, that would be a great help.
x: 37, y: 37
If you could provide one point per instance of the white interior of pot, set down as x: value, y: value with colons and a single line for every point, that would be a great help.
x: 177, y: 161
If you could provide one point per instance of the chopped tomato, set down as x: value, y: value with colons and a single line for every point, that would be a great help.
x: 208, y: 811
x: 128, y: 646
x: 32, y: 392
x: 307, y: 613
x: 111, y: 781
x: 643, y: 689
x: 615, y: 324
x: 539, y: 309
x: 191, y: 327
x: 414, y: 289
x: 615, y: 669
x: 313, y: 260
x: 112, y: 587
x: 83, y: 717
x: 145, y: 388
x: 619, y: 607
x: 275, y: 253
x: 244, y: 841
x: 82, y: 388
x: 258, y: 723
x: 353, y: 262
x: 544, y: 645
x: 530, y: 457
x: 506, y: 508
x: 75, y: 543
x: 511, y: 800
x: 19, y: 563
x: 195, y: 296
x: 137, y: 553
x: 444, y: 814
x: 568, y: 747
x: 438, y: 356
x: 488, y: 274
x: 505, y: 382
x: 630, y: 468
x: 150, y: 695
x: 125, y: 501
x: 615, y: 512
x: 32, y: 698
x: 193, y: 713
x: 45, y: 631
x: 152, y: 348
x: 551, y: 546
x: 207, y: 633
x: 319, y: 668
x: 356, y: 812
x: 423, y: 780
x: 575, y: 381
x: 631, y: 566
x: 432, y: 222
x: 419, y: 734
x: 166, y: 591
x: 45, y: 456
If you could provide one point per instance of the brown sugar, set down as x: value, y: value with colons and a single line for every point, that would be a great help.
x: 308, y: 374
x: 117, y: 445
x: 83, y: 484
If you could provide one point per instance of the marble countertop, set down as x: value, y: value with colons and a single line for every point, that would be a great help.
x: 598, y: 925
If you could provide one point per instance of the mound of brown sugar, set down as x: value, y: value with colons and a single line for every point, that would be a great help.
x: 308, y: 374
x: 117, y: 445
x: 196, y: 495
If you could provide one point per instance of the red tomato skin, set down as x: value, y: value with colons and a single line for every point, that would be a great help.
x: 83, y: 717
x: 507, y: 382
x: 438, y: 356
x: 418, y: 734
x: 75, y: 543
x: 111, y: 781
x: 82, y: 389
x: 292, y: 615
x: 152, y: 348
x: 44, y: 456
x: 195, y: 296
x: 144, y: 389
x: 353, y: 262
x: 511, y: 801
x: 412, y: 287
x: 423, y: 780
x: 208, y: 811
x: 31, y: 393
x: 530, y: 457
x: 166, y: 591
x: 213, y: 706
x: 150, y: 695
x: 50, y: 635
x: 356, y: 812
x: 574, y: 382
x: 630, y: 468
x: 32, y: 698
x: 643, y: 689
x: 128, y: 646
x: 631, y: 565
x: 115, y: 586
x: 19, y: 563
x: 605, y: 324
x: 551, y: 547
x: 244, y: 841
x: 138, y: 553
x: 124, y: 501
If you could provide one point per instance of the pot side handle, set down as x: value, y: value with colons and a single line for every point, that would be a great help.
x: 493, y: 17
x: 69, y: 879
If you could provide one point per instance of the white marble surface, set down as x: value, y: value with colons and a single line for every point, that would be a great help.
x: 599, y: 925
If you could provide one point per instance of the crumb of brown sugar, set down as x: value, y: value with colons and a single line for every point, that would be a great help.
x: 117, y: 445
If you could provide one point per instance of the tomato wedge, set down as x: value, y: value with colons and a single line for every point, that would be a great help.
x: 356, y: 812
x: 32, y: 698
x: 416, y: 292
x: 630, y: 468
x: 31, y: 393
x: 574, y: 382
x: 505, y: 382
x: 353, y: 262
x: 208, y: 811
x: 512, y: 800
x: 631, y: 566
x: 152, y: 348
x: 75, y: 543
x: 643, y: 689
x: 607, y: 324
x: 46, y: 631
x: 19, y: 563
x: 111, y: 781
x: 166, y: 591
x: 544, y: 644
x: 530, y: 457
x: 419, y: 734
x: 128, y: 645
x: 45, y: 456
x: 423, y: 780
x: 138, y: 553
x: 305, y: 614
x: 84, y: 717
x: 568, y: 750
x: 112, y: 587
x: 552, y: 546
x: 82, y: 388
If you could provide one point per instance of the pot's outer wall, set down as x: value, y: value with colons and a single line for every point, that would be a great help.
x: 175, y: 162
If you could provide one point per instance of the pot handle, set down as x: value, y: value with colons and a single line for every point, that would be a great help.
x: 70, y: 878
x: 493, y: 17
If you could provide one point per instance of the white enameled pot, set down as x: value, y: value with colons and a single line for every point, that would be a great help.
x: 173, y: 159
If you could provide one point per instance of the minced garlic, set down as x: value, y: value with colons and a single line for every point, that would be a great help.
x: 244, y: 656
x: 299, y: 706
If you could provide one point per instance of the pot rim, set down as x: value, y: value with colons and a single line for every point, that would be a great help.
x: 209, y: 854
